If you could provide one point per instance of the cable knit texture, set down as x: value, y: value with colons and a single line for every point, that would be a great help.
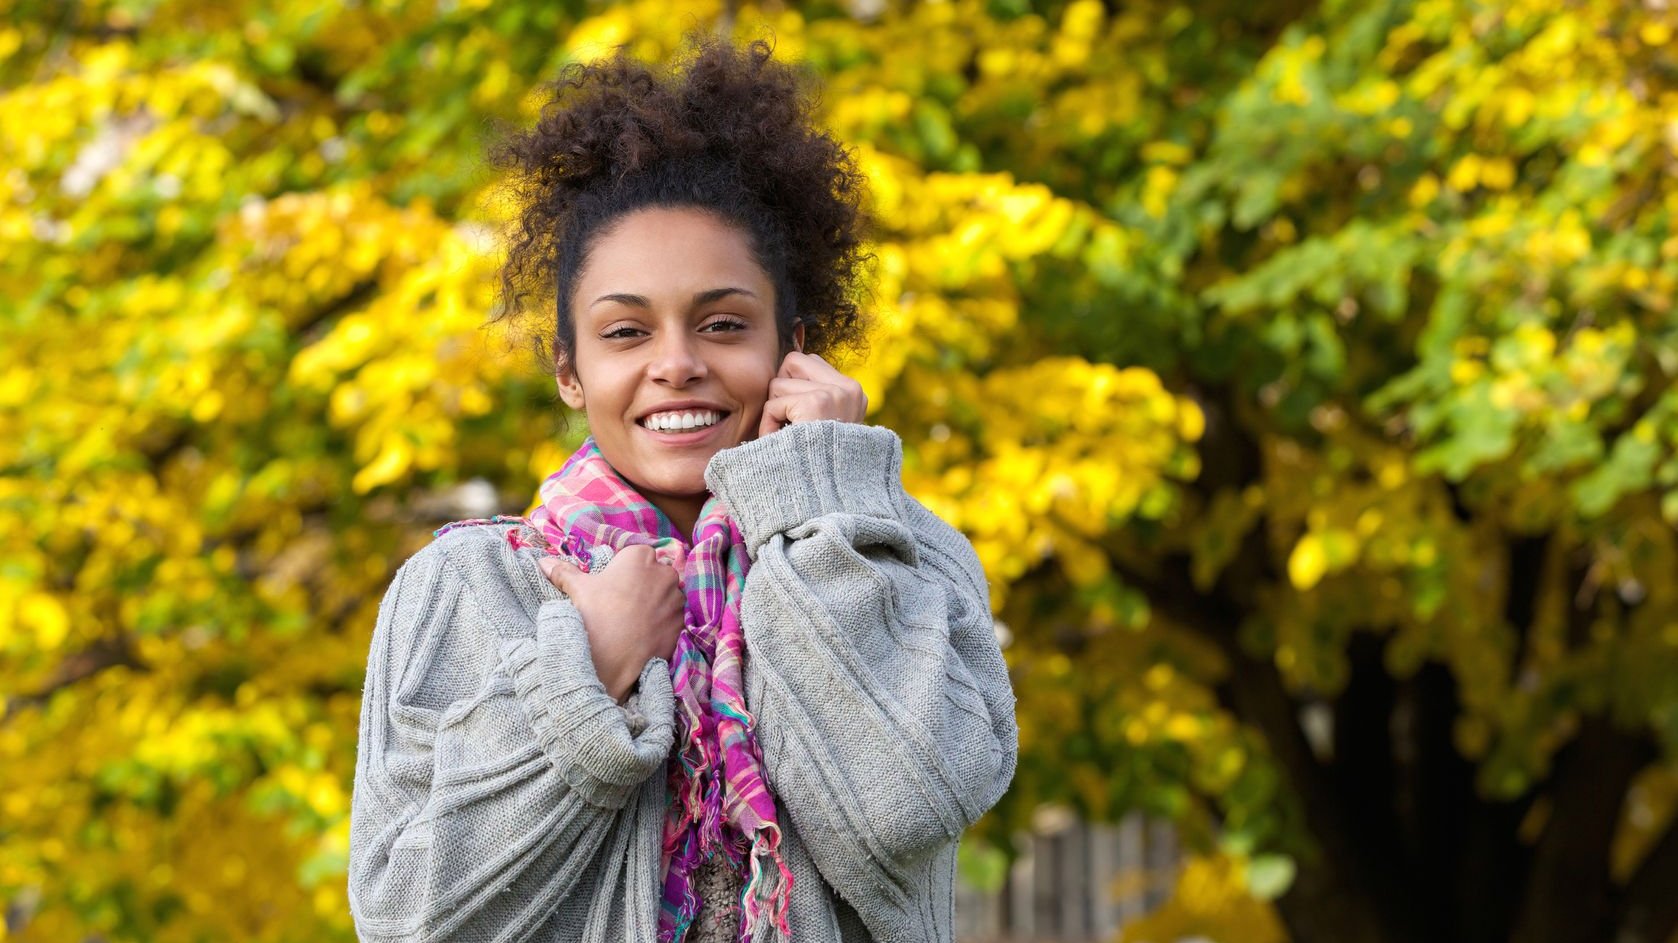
x: 501, y: 794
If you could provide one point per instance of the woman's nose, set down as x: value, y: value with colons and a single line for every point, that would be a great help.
x: 675, y: 359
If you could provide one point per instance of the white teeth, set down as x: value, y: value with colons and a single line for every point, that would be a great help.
x: 681, y: 421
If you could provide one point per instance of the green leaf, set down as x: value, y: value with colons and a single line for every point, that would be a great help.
x: 1270, y: 876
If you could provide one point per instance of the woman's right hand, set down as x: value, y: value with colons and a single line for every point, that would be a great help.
x: 632, y: 610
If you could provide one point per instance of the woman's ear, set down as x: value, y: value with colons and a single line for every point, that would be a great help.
x: 569, y: 389
x: 798, y: 337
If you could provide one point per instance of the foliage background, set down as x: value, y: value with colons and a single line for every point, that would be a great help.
x: 1302, y: 373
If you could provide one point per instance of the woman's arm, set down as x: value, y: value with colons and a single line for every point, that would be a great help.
x: 883, y: 703
x: 492, y: 764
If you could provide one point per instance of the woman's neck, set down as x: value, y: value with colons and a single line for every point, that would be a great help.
x: 682, y: 512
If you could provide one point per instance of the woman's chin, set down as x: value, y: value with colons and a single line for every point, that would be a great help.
x: 674, y: 464
x: 678, y: 477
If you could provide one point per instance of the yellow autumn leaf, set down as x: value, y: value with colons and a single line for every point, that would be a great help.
x: 1307, y: 563
x: 391, y: 463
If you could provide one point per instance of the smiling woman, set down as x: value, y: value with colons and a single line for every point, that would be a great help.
x: 728, y: 681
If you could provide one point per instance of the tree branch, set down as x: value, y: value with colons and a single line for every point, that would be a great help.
x: 1333, y: 897
x: 105, y: 653
x: 1364, y: 772
x: 1470, y: 863
x: 1569, y: 898
x: 1647, y: 908
x: 1523, y: 579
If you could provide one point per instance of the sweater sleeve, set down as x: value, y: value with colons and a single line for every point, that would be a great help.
x: 883, y: 703
x: 492, y: 764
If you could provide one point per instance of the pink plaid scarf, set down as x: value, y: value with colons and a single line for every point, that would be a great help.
x: 720, y: 801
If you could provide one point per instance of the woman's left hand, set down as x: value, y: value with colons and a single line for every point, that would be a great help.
x: 808, y: 388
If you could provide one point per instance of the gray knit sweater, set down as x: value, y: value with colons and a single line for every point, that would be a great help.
x: 501, y: 794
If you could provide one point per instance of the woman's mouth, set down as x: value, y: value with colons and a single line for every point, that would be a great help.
x: 682, y: 420
x: 681, y: 426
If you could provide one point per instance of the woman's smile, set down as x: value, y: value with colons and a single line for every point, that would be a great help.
x: 677, y: 418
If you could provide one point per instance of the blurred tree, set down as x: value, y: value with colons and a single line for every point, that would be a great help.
x: 1303, y: 375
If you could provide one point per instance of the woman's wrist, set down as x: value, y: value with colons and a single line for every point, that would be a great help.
x: 617, y: 677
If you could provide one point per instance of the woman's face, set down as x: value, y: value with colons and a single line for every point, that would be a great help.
x: 676, y: 345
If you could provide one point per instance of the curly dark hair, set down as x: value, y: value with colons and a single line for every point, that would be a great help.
x: 731, y: 133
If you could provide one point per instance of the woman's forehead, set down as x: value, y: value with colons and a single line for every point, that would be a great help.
x: 672, y: 256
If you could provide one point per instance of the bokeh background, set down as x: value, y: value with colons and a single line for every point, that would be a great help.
x: 1302, y: 372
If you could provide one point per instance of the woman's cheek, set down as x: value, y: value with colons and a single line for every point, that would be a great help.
x: 749, y: 421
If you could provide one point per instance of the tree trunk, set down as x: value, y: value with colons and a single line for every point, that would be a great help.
x: 1330, y: 900
x: 1570, y: 895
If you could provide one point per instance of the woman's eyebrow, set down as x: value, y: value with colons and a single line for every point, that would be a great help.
x: 699, y: 298
x: 706, y: 297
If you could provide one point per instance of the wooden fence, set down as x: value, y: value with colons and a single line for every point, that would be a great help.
x: 1074, y: 882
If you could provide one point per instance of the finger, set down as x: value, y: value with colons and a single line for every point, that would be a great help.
x: 815, y: 403
x: 808, y: 367
x: 638, y: 552
x: 814, y: 375
x: 822, y: 401
x: 560, y: 572
x: 774, y: 415
x: 790, y: 386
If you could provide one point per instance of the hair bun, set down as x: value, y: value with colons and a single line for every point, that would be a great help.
x: 730, y: 130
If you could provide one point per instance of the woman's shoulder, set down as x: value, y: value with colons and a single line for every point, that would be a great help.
x: 449, y: 609
x: 477, y: 536
x: 456, y: 545
x: 478, y: 563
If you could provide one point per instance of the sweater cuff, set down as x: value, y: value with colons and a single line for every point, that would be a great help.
x: 586, y: 734
x: 796, y: 474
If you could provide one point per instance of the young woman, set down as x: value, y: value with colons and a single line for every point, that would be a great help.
x: 729, y: 681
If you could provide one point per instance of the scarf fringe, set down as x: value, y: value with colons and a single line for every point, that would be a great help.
x: 754, y: 903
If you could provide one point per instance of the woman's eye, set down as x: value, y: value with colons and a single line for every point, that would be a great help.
x: 619, y: 332
x: 726, y: 324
